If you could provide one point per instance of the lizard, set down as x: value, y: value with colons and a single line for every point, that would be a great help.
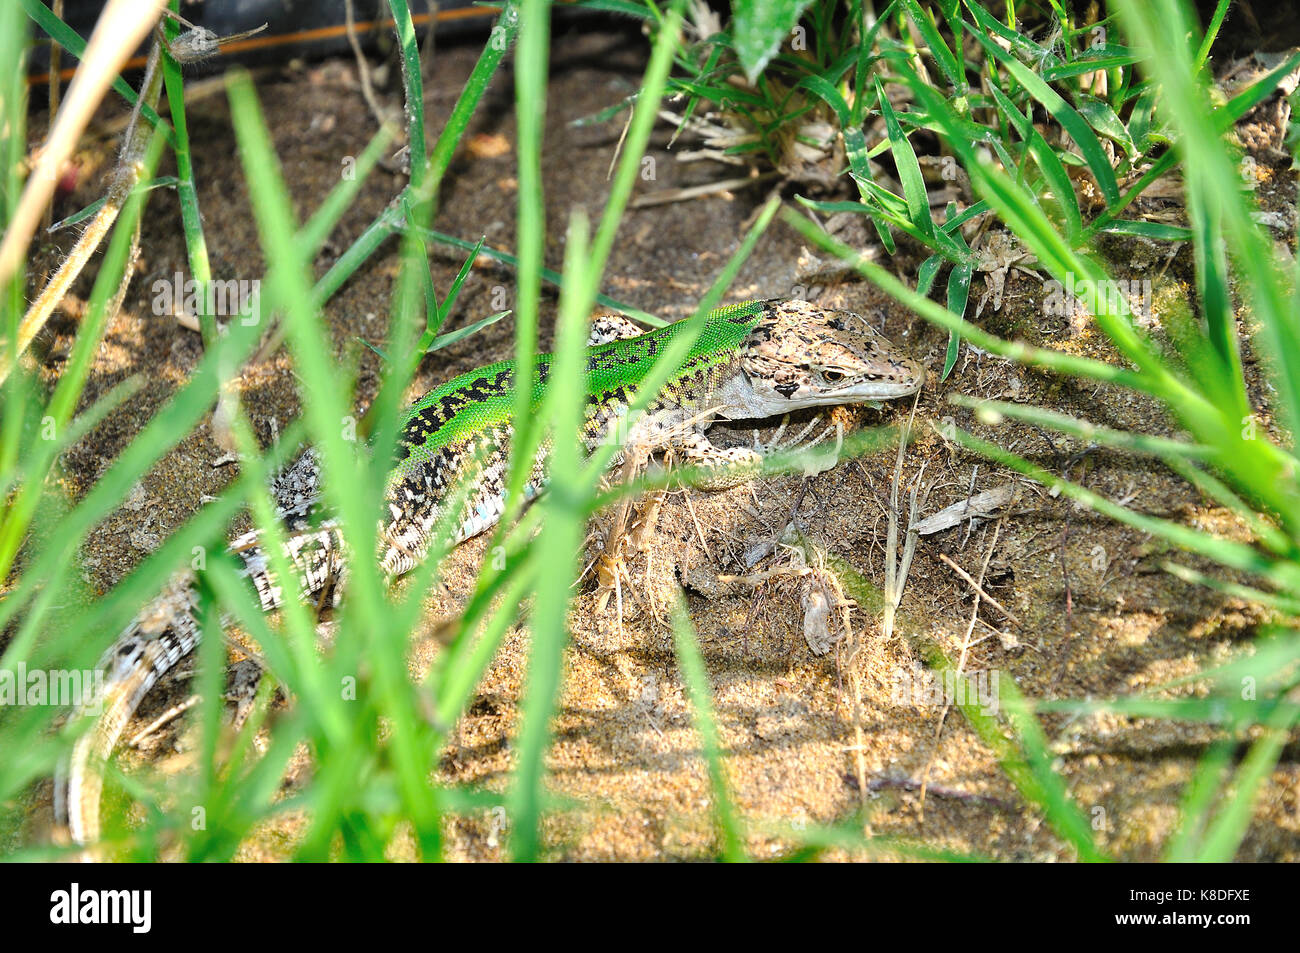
x: 754, y: 360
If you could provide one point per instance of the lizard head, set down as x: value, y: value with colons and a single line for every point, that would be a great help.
x: 801, y: 355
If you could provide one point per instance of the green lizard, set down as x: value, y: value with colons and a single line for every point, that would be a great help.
x: 754, y: 360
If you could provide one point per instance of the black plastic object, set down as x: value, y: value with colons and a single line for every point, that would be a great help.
x: 295, y: 28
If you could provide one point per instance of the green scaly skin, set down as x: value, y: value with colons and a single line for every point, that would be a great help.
x: 467, y: 422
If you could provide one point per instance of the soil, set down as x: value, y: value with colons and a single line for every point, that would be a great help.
x: 1096, y: 616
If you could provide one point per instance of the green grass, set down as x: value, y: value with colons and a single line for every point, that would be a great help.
x: 377, y: 735
x: 1201, y: 383
x: 196, y: 243
x: 1170, y: 120
x: 730, y: 828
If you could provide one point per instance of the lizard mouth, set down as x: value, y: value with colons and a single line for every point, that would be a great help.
x: 764, y: 400
x: 875, y: 390
x: 864, y: 391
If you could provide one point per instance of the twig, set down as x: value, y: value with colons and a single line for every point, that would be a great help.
x: 363, y: 67
x: 696, y: 191
x: 171, y: 714
x: 961, y: 665
x: 896, y: 570
x: 909, y: 784
x: 979, y: 591
x: 704, y: 543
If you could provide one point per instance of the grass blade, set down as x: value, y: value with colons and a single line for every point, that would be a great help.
x: 730, y: 831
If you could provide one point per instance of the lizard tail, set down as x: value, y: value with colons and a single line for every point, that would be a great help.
x: 154, y: 642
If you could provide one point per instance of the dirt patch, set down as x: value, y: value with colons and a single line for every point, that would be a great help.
x: 1097, y: 616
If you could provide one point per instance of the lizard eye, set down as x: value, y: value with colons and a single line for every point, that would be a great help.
x: 832, y: 377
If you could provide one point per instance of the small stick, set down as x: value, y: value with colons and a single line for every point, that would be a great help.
x: 686, y: 495
x: 171, y: 714
x: 909, y: 784
x: 697, y: 191
x: 979, y: 591
x: 363, y: 68
x: 961, y: 662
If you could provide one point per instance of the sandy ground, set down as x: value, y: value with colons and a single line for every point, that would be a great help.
x: 1095, y: 614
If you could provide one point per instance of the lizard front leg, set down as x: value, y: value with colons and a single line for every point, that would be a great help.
x: 726, y: 467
